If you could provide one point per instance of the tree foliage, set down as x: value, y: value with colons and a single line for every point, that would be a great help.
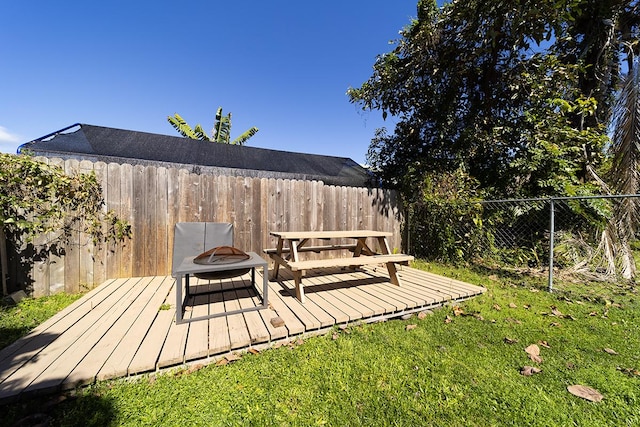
x: 38, y: 199
x: 221, y: 131
x: 492, y: 86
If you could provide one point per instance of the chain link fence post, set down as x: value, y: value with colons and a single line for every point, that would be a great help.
x: 552, y: 208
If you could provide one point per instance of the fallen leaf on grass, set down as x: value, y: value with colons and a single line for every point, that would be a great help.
x: 512, y: 305
x: 555, y: 324
x: 232, y: 357
x: 527, y: 371
x: 448, y: 319
x: 585, y: 392
x: 556, y: 312
x: 496, y: 307
x: 544, y: 344
x: 526, y: 306
x: 253, y: 351
x: 334, y: 336
x: 593, y: 313
x: 510, y: 340
x: 610, y: 351
x: 424, y: 314
x: 410, y: 327
x: 457, y: 311
x: 222, y: 362
x: 194, y: 368
x: 534, y: 353
x: 629, y: 371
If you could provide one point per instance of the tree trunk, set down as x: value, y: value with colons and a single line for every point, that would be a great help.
x: 4, y: 264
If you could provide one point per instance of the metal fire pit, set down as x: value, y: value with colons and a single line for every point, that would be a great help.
x: 222, y: 255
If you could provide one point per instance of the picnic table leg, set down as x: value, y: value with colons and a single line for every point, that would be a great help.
x: 391, y: 267
x: 297, y: 278
x: 276, y: 263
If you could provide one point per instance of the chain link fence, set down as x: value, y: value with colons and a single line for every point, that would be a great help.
x: 568, y: 238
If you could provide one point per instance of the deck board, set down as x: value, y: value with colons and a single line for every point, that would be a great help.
x: 123, y: 327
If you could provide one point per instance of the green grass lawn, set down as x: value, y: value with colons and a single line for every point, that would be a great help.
x: 459, y: 366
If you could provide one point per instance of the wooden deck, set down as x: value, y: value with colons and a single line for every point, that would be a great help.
x: 127, y: 326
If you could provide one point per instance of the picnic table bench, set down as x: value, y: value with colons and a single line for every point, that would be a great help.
x: 288, y: 256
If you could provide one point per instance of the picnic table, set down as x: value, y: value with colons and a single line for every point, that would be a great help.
x: 288, y: 256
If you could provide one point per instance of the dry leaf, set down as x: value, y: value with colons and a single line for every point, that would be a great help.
x: 555, y: 324
x: 410, y: 327
x: 253, y: 351
x: 478, y: 316
x: 424, y: 314
x: 448, y: 319
x: 593, y: 313
x: 232, y: 357
x: 610, y: 351
x: 457, y: 311
x: 534, y: 290
x: 629, y: 371
x: 222, y: 362
x: 534, y: 353
x: 510, y: 340
x: 544, y: 344
x: 527, y: 306
x: 585, y: 392
x: 512, y: 305
x: 194, y: 368
x: 496, y: 307
x: 334, y: 336
x: 556, y: 312
x: 527, y: 371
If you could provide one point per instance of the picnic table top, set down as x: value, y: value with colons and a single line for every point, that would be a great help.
x: 348, y: 234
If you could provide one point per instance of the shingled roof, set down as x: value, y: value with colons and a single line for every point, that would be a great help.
x: 97, y: 143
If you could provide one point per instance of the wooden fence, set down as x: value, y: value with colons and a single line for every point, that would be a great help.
x: 153, y: 199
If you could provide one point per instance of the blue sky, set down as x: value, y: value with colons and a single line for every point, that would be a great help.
x: 282, y: 65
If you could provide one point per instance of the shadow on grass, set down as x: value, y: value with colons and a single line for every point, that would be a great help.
x: 8, y: 335
x: 61, y: 410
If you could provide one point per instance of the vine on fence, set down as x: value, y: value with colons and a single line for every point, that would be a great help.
x: 37, y: 199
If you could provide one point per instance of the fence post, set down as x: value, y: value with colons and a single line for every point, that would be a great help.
x: 551, y: 236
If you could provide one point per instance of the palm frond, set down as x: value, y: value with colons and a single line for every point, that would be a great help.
x: 201, y: 134
x: 245, y: 136
x: 181, y: 126
x: 625, y: 144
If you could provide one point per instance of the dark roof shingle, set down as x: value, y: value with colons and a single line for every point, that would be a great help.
x: 97, y: 143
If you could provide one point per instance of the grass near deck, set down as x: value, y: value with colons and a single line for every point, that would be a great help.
x: 459, y: 366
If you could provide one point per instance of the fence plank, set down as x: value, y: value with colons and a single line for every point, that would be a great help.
x: 99, y: 255
x: 127, y: 211
x: 72, y: 252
